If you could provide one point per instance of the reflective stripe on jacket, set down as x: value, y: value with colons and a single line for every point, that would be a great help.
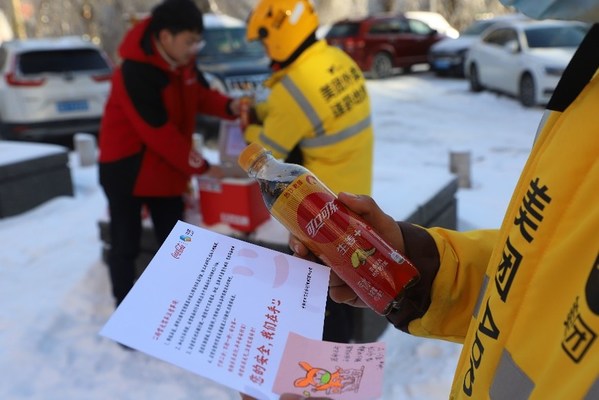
x: 320, y: 102
x: 524, y: 299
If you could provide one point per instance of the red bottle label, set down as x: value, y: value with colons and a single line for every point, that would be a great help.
x: 374, y: 270
x: 321, y: 217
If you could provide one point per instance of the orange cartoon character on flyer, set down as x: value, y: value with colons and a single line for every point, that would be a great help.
x: 327, y: 382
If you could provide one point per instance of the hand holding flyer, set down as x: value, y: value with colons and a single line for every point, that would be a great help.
x: 233, y: 312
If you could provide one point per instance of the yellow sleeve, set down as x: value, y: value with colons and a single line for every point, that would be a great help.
x: 261, y: 110
x: 452, y: 268
x: 463, y: 261
x: 252, y: 133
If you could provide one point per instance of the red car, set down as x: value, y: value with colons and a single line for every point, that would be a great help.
x: 381, y: 43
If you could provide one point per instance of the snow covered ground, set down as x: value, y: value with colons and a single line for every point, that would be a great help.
x: 54, y: 289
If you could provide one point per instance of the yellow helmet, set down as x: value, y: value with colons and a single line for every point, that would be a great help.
x: 282, y: 26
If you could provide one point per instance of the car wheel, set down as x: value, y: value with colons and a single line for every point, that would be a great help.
x: 382, y: 67
x: 474, y: 80
x: 527, y: 94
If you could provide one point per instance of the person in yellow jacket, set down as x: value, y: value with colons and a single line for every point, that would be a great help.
x: 523, y: 299
x: 318, y: 99
x: 318, y: 103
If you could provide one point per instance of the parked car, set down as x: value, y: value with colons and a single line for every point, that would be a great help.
x: 52, y: 87
x: 381, y: 43
x: 435, y: 21
x: 446, y: 57
x: 523, y: 58
x: 230, y: 64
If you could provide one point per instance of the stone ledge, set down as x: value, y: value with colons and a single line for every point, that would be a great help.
x: 31, y: 174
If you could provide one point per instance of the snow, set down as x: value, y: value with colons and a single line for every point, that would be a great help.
x: 13, y: 152
x: 54, y: 288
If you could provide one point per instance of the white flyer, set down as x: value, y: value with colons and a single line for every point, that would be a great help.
x: 222, y: 308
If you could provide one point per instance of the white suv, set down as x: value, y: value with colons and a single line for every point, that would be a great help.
x: 52, y: 87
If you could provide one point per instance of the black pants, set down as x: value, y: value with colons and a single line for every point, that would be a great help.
x: 125, y: 233
x: 338, y: 322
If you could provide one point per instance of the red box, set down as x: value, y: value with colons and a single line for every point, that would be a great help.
x: 236, y: 202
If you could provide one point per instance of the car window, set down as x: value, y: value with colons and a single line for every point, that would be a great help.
x: 383, y: 27
x: 341, y: 30
x: 59, y: 61
x: 229, y: 41
x: 389, y: 26
x: 419, y: 27
x: 399, y: 26
x: 555, y: 36
x: 501, y: 36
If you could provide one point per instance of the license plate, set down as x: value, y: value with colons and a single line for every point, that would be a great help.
x: 441, y: 64
x: 72, y: 106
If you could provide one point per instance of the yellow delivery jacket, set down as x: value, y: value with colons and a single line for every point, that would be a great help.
x: 320, y: 102
x: 524, y: 300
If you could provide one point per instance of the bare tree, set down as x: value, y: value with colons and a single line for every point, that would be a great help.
x: 105, y: 21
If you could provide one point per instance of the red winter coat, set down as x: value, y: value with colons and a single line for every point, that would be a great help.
x: 146, y: 132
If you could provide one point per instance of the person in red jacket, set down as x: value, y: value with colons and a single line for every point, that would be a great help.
x: 145, y: 141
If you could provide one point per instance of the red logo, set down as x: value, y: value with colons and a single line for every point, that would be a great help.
x: 179, y: 249
x: 322, y: 217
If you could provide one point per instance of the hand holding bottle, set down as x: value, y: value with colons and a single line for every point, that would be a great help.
x: 376, y: 271
x: 383, y: 224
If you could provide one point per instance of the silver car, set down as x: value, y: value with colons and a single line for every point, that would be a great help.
x: 52, y: 87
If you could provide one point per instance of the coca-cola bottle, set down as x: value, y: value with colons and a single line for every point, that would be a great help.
x: 378, y: 273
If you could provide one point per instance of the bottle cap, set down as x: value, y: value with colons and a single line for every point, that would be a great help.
x: 249, y: 155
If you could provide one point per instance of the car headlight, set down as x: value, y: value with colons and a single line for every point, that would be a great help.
x: 554, y: 71
x: 215, y: 83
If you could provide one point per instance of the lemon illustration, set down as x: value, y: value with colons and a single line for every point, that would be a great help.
x: 360, y: 255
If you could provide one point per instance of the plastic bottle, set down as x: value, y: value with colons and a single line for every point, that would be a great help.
x: 378, y: 273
